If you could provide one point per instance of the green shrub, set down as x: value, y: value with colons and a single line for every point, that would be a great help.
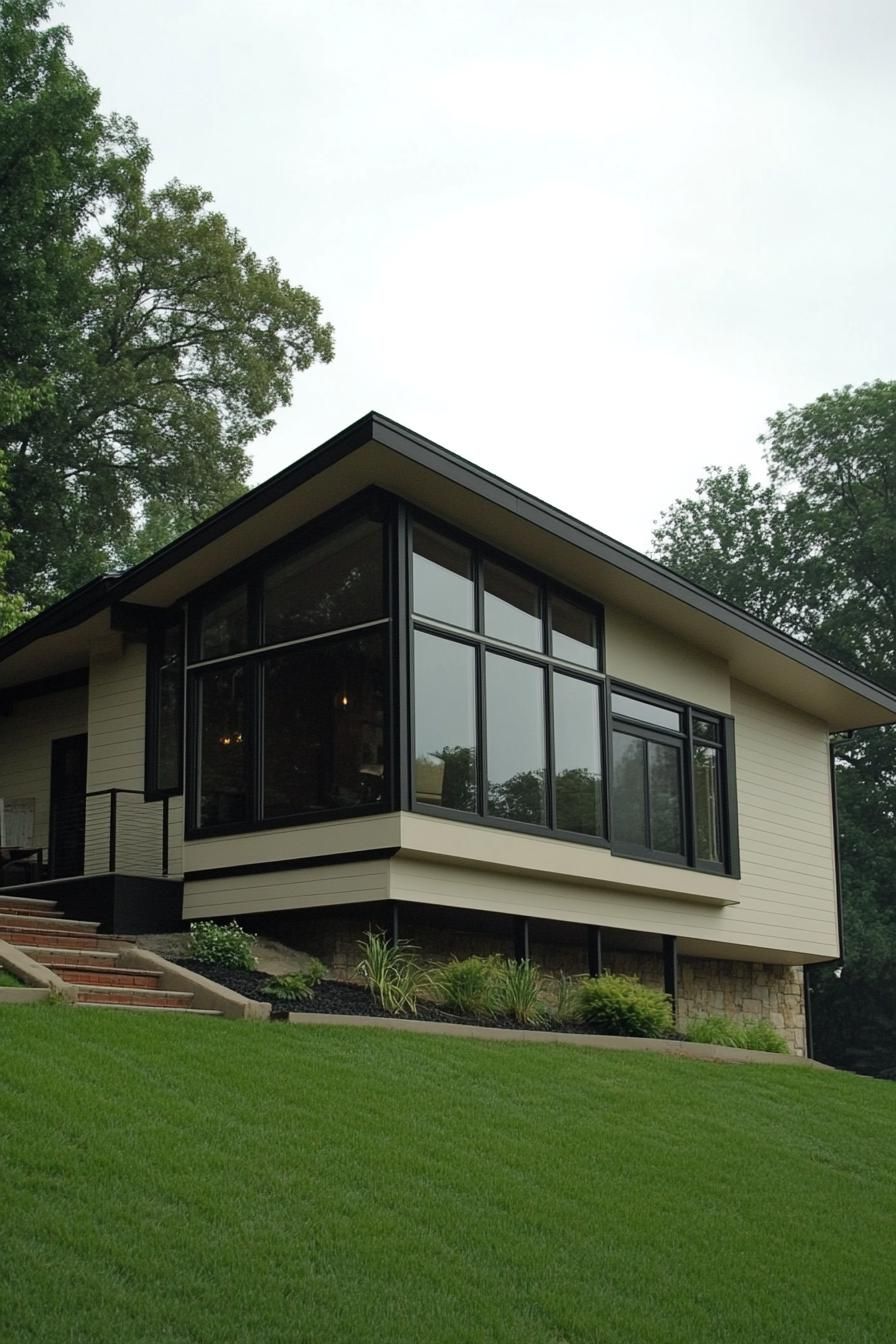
x: 745, y: 1034
x: 519, y: 992
x: 619, y: 1005
x: 298, y: 985
x: 392, y: 972
x: 468, y: 987
x: 222, y: 945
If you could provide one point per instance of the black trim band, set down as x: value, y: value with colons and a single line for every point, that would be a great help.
x: 288, y: 865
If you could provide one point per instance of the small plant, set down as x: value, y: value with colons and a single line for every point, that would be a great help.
x: 518, y: 992
x: 619, y: 1005
x: 742, y: 1035
x: 222, y: 945
x: 391, y: 972
x: 299, y: 985
x: 468, y: 987
x: 565, y: 998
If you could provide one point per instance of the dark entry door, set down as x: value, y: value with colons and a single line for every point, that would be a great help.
x: 68, y: 787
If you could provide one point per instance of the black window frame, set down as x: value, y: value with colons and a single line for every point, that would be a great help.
x: 686, y: 739
x: 152, y: 791
x: 251, y: 572
x: 483, y: 643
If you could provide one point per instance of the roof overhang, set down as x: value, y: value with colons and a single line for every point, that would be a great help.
x: 377, y: 451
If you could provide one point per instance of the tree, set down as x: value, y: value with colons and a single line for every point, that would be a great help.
x: 143, y: 345
x: 814, y: 550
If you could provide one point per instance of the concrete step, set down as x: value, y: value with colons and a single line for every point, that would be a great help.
x: 37, y: 921
x: 146, y: 1008
x: 145, y: 998
x: 73, y: 955
x: 76, y: 973
x: 24, y: 905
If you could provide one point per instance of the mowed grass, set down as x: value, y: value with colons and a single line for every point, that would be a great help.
x: 7, y: 980
x: 192, y: 1181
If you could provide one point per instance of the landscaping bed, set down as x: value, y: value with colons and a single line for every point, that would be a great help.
x: 343, y: 999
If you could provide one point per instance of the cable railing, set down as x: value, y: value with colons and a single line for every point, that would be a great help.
x: 108, y: 831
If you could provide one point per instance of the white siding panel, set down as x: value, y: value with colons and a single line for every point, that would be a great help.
x: 25, y: 744
x: 115, y: 760
x: 296, y: 889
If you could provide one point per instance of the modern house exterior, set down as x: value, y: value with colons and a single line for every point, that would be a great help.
x: 388, y: 686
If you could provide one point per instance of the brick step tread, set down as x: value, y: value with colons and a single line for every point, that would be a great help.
x: 62, y: 938
x: 80, y: 974
x: 34, y: 903
x: 149, y: 1008
x: 79, y: 956
x: 17, y: 908
x: 172, y: 998
x: 33, y: 921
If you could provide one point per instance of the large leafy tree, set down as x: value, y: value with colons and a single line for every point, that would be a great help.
x: 143, y: 345
x: 814, y: 551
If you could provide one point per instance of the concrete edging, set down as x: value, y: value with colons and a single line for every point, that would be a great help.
x: 720, y: 1054
x: 22, y: 994
x: 206, y: 993
x: 34, y: 975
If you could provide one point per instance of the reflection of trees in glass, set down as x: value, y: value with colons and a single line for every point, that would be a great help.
x: 447, y: 778
x: 629, y: 811
x: 579, y: 801
x: 706, y: 802
x: 520, y: 798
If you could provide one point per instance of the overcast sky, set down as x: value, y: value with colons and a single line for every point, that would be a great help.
x: 589, y: 244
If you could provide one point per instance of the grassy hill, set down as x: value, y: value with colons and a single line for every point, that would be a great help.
x: 190, y: 1181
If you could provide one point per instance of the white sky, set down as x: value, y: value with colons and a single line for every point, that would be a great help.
x: 589, y: 244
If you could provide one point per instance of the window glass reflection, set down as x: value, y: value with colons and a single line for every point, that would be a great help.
x: 515, y: 741
x: 336, y: 583
x: 222, y: 746
x: 573, y: 633
x: 630, y: 790
x: 577, y: 756
x: 445, y: 723
x: 323, y: 726
x: 512, y: 607
x: 645, y: 712
x: 224, y: 624
x: 707, y: 803
x: 443, y: 579
x: 665, y: 793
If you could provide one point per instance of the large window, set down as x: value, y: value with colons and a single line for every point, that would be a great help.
x: 288, y: 684
x: 669, y: 782
x: 507, y: 695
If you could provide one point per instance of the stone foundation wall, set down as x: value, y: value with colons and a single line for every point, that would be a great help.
x: 706, y: 985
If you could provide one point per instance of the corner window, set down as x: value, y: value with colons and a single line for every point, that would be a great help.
x: 289, y: 683
x: 164, y: 711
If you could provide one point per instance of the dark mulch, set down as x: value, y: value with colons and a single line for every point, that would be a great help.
x: 341, y: 999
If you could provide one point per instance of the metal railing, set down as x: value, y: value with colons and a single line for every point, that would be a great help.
x: 108, y: 831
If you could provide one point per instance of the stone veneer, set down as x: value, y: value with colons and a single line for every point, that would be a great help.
x: 705, y: 985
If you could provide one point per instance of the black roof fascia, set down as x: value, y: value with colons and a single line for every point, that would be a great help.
x: 379, y: 428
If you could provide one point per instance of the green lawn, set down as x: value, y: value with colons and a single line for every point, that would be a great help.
x: 193, y: 1181
x: 7, y: 980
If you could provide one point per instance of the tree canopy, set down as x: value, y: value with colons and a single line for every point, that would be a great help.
x: 814, y: 551
x: 143, y: 345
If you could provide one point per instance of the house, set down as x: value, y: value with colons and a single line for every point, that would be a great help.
x: 388, y: 686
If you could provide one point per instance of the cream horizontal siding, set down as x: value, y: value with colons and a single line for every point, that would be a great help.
x: 115, y: 760
x: 282, y: 844
x: 296, y: 889
x: 26, y: 737
x: 785, y: 899
x: 648, y: 657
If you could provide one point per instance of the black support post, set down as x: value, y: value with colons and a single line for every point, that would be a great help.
x: 670, y: 969
x: 521, y: 937
x: 392, y: 933
x: 595, y: 951
x: 807, y: 1008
